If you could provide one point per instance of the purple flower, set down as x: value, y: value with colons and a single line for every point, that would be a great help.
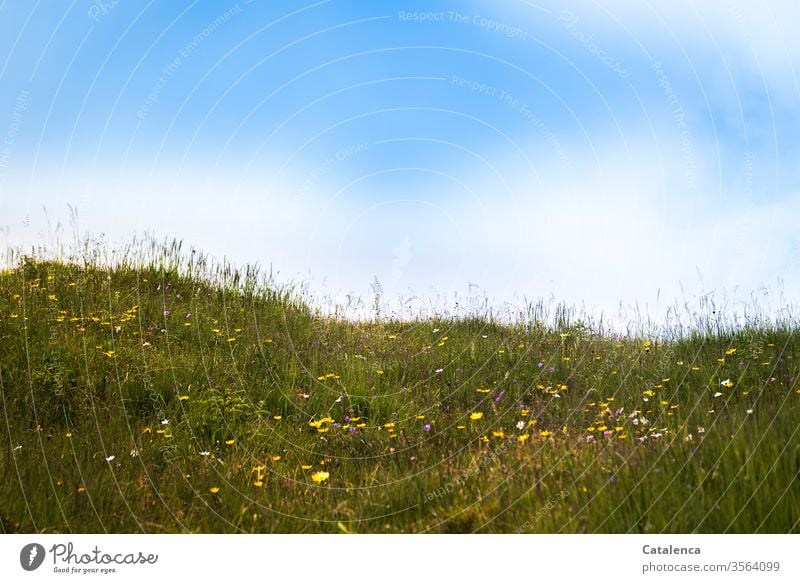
x: 167, y: 312
x: 499, y: 396
x: 337, y: 425
x: 347, y: 418
x: 617, y: 412
x: 541, y: 364
x: 426, y: 427
x: 551, y: 369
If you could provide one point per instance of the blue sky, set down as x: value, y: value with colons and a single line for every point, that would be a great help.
x: 591, y: 152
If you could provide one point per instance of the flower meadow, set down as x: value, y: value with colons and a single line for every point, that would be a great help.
x: 161, y: 392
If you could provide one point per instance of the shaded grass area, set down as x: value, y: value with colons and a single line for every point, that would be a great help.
x: 163, y: 395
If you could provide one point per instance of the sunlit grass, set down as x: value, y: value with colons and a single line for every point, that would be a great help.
x: 155, y: 390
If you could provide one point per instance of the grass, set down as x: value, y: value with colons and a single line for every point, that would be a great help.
x: 155, y: 391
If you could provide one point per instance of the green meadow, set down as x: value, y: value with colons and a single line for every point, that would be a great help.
x: 161, y: 392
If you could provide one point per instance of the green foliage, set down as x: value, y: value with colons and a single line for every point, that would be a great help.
x: 221, y: 398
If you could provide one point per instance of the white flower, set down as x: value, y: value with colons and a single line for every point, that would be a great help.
x: 205, y: 453
x: 438, y: 370
x: 749, y: 411
x: 165, y: 422
x: 110, y: 458
x: 701, y: 429
x: 520, y: 425
x: 718, y: 394
x: 135, y: 452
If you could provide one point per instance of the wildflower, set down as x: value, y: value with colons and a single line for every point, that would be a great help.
x: 135, y: 452
x: 541, y: 364
x: 183, y: 398
x: 499, y: 434
x: 523, y: 438
x: 306, y: 467
x: 258, y: 483
x: 545, y: 433
x: 520, y: 425
x: 205, y: 453
x: 276, y: 458
x: 727, y: 383
x: 426, y: 428
x: 68, y: 434
x: 110, y: 458
x: 481, y: 390
x: 499, y: 396
x: 213, y: 489
x: 730, y: 351
x: 277, y: 417
x: 167, y: 313
x: 439, y: 370
x: 476, y: 415
x: 718, y: 394
x: 320, y: 476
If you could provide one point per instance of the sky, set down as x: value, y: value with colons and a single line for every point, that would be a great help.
x: 611, y: 155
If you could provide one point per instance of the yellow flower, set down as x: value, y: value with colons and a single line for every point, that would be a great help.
x: 320, y: 476
x: 389, y: 425
x: 230, y: 442
x: 258, y: 483
x: 275, y: 458
x: 184, y: 397
x: 213, y: 489
x: 482, y: 390
x: 68, y: 434
x: 476, y: 415
x: 306, y: 467
x: 420, y: 416
x: 277, y: 417
x: 500, y: 434
x: 730, y: 351
x: 523, y: 438
x: 545, y: 433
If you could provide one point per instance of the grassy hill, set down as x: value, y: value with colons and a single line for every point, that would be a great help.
x: 163, y: 396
